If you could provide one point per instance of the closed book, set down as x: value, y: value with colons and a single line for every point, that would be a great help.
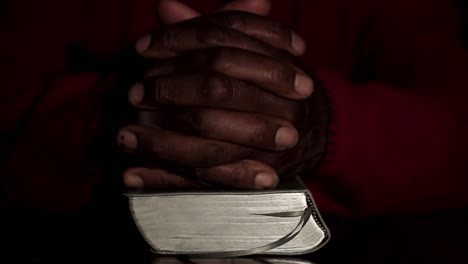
x: 227, y: 223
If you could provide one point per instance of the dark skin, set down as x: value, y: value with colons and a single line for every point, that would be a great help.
x: 223, y: 100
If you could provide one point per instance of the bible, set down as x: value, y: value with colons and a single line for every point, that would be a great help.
x: 230, y: 223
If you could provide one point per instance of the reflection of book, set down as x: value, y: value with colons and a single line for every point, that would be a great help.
x: 212, y: 223
x: 173, y: 260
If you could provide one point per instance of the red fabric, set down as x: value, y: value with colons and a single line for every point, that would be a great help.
x: 394, y: 70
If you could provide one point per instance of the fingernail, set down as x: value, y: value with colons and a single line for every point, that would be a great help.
x: 286, y: 138
x: 304, y: 85
x: 136, y: 93
x: 127, y: 140
x: 133, y: 181
x: 298, y: 44
x: 143, y: 44
x: 266, y: 180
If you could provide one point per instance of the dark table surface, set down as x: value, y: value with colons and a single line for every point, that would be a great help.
x: 107, y: 233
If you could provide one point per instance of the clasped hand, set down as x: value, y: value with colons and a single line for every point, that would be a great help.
x: 221, y: 99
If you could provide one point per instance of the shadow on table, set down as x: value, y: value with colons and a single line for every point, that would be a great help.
x: 441, y: 238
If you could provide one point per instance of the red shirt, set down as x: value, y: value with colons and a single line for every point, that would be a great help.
x: 395, y: 71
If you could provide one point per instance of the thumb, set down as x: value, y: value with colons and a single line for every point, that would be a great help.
x: 173, y: 11
x: 259, y: 7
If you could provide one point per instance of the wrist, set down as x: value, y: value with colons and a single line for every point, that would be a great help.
x: 318, y: 122
x: 318, y: 112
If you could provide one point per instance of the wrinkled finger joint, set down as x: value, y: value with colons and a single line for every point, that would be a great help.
x: 217, y: 89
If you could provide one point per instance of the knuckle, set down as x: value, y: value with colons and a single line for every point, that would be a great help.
x: 217, y: 89
x: 215, y: 154
x: 163, y: 180
x: 199, y: 58
x: 212, y: 35
x: 162, y: 91
x: 259, y: 132
x: 278, y: 32
x: 220, y: 60
x: 169, y: 38
x: 184, y: 182
x: 239, y: 175
x: 234, y: 19
x: 279, y: 73
x: 192, y: 120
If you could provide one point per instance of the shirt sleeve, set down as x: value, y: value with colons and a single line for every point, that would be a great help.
x: 57, y: 63
x: 398, y: 132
